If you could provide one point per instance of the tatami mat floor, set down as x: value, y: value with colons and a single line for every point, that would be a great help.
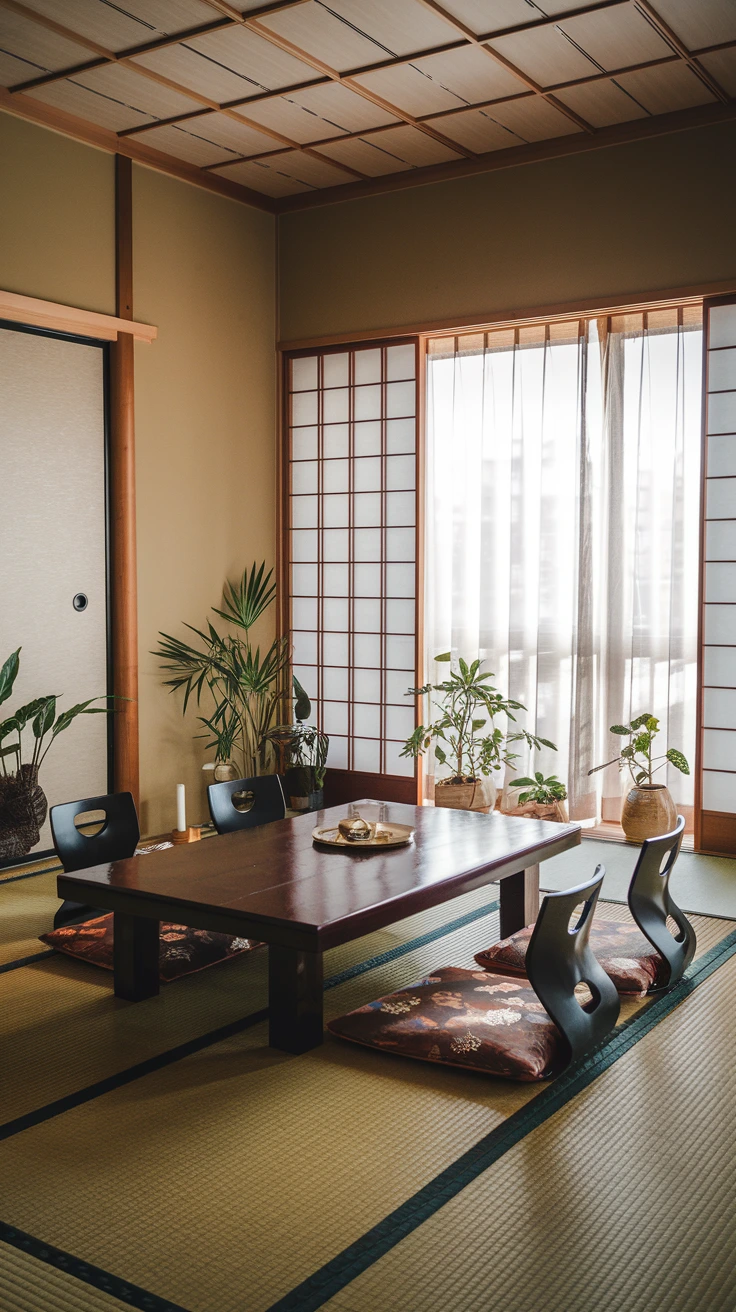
x: 222, y: 1180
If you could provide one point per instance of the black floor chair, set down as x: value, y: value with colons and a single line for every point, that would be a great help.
x: 245, y: 803
x: 76, y: 850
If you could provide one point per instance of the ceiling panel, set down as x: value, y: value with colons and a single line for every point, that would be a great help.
x: 399, y: 28
x: 253, y: 57
x: 315, y: 172
x: 666, y: 88
x: 533, y: 119
x: 226, y: 131
x: 322, y: 112
x: 545, y: 55
x: 413, y: 147
x: 367, y: 155
x: 471, y: 73
x: 184, y: 143
x: 700, y: 22
x: 118, y: 26
x: 722, y: 65
x: 602, y: 103
x: 483, y: 16
x: 408, y: 89
x: 190, y: 69
x: 14, y: 70
x: 616, y: 38
x: 477, y: 130
x: 314, y: 29
x: 135, y: 89
x: 105, y: 112
x: 265, y: 176
x: 43, y: 50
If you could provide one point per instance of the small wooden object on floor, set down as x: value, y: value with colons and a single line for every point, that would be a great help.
x: 191, y: 834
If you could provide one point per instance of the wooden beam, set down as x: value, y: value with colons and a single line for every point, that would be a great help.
x: 674, y: 41
x: 123, y: 574
x: 69, y: 319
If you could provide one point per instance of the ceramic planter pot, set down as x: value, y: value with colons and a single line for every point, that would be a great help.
x: 648, y: 810
x: 301, y: 791
x: 478, y: 796
x: 556, y: 811
x: 225, y: 772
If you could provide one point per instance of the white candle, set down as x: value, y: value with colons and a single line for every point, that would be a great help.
x: 181, y: 808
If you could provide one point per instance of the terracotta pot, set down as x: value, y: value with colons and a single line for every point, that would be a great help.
x: 556, y: 811
x: 479, y: 796
x: 648, y: 810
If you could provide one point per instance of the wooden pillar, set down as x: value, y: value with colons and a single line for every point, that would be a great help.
x: 122, y: 490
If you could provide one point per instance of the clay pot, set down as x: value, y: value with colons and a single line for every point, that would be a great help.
x: 478, y: 796
x: 648, y: 810
x: 556, y: 811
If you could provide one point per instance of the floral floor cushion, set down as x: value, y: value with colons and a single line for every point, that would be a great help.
x: 464, y: 1018
x: 624, y: 953
x: 182, y: 950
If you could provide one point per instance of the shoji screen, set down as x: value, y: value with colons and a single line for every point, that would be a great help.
x: 718, y: 745
x: 351, y: 557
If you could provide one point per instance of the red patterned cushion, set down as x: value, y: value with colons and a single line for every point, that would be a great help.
x: 624, y: 953
x: 462, y: 1018
x: 182, y: 950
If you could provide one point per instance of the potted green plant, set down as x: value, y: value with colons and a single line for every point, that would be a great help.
x: 304, y: 755
x: 544, y: 799
x: 466, y: 739
x: 23, y: 804
x: 247, y: 689
x: 648, y: 808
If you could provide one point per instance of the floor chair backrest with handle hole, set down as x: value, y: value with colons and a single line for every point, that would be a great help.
x: 650, y: 902
x: 245, y: 803
x: 559, y: 958
x: 76, y: 850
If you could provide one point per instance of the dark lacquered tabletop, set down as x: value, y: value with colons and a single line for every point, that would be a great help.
x: 276, y: 875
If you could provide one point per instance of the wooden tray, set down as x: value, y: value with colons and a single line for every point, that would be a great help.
x: 395, y: 836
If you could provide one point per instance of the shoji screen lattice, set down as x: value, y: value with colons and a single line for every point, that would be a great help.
x: 718, y: 744
x: 351, y: 555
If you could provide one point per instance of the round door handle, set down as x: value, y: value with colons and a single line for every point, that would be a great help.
x: 80, y: 601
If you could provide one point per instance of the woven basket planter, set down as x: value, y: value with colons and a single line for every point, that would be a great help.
x: 478, y: 796
x: 23, y: 809
x: 648, y: 811
x: 556, y: 811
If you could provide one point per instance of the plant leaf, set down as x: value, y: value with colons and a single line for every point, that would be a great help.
x: 45, y: 717
x: 620, y: 729
x: 8, y: 674
x: 678, y: 760
x: 446, y: 656
x: 302, y: 705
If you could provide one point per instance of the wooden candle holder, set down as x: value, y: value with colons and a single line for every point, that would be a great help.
x: 191, y: 834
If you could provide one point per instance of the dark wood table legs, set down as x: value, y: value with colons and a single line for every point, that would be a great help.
x: 294, y: 999
x: 519, y: 897
x: 135, y: 957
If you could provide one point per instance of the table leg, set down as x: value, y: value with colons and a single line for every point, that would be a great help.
x: 135, y: 956
x: 294, y: 999
x: 519, y: 900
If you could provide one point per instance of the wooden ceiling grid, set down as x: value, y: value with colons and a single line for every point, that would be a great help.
x: 297, y: 97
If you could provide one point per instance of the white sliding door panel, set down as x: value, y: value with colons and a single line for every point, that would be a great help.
x: 719, y: 583
x: 53, y: 545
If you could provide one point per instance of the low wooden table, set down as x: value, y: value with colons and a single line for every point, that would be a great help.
x: 275, y: 884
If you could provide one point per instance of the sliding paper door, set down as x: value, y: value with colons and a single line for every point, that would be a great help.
x: 53, y: 557
x: 718, y: 709
x: 351, y: 557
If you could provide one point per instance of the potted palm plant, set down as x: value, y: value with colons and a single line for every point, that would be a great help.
x: 23, y: 804
x: 466, y: 739
x: 648, y: 808
x: 245, y: 687
x: 304, y: 755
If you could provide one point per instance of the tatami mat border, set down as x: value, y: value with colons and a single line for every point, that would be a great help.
x: 133, y: 1295
x: 335, y: 1275
x: 27, y: 961
x: 31, y: 874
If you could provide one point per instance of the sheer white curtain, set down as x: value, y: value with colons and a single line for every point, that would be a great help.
x: 562, y: 530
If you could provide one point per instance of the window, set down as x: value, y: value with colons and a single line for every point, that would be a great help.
x: 352, y: 489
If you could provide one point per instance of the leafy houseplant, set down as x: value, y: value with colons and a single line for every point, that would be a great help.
x: 542, y: 798
x: 648, y: 808
x: 304, y: 755
x: 23, y: 804
x: 465, y: 737
x: 246, y: 688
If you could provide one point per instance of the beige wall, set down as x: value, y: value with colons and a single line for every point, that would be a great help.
x: 204, y: 273
x: 57, y: 217
x: 203, y: 269
x: 650, y: 215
